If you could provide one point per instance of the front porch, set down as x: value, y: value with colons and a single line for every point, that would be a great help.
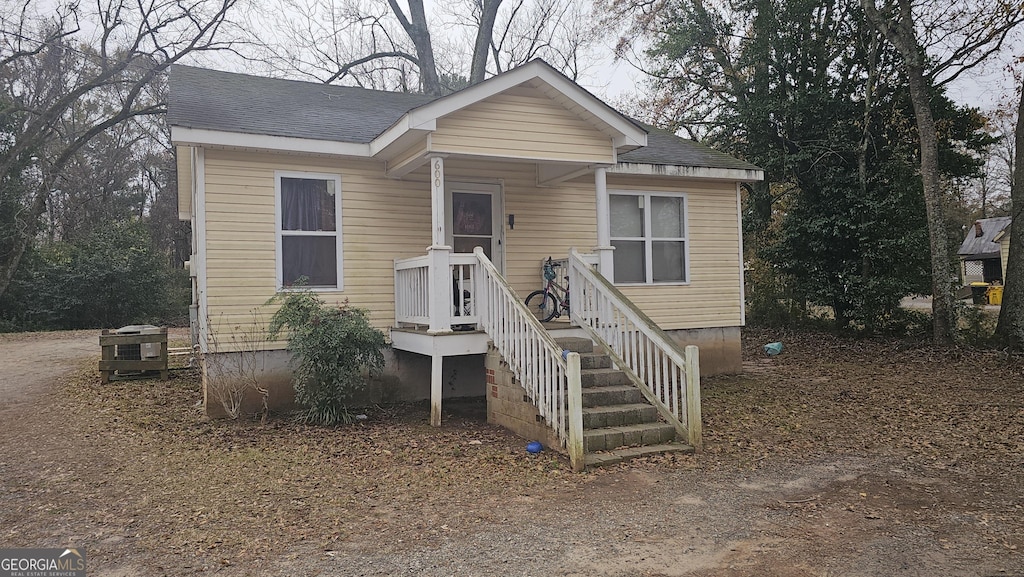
x: 441, y: 314
x: 450, y: 302
x: 453, y: 304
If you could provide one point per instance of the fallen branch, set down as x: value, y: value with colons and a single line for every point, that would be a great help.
x: 807, y: 500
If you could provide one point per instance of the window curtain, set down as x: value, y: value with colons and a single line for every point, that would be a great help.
x: 313, y: 257
x: 306, y: 204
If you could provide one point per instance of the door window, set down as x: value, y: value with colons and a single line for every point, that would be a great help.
x: 472, y: 224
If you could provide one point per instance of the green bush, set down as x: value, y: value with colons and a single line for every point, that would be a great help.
x: 770, y: 302
x: 110, y: 278
x: 975, y: 326
x: 334, y: 348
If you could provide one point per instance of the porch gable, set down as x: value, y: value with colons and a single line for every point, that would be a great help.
x: 522, y: 123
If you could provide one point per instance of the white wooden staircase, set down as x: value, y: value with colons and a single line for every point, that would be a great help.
x: 618, y: 422
x: 624, y: 391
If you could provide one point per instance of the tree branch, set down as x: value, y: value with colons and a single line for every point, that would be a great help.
x: 343, y: 70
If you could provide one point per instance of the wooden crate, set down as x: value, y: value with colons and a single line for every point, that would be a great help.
x: 109, y: 364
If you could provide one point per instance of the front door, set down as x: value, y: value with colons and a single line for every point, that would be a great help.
x: 474, y: 212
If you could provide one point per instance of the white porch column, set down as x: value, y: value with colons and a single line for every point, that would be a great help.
x: 604, y: 248
x: 437, y: 219
x: 436, y: 363
x: 440, y: 280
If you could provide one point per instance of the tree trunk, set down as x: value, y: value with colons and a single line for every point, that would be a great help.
x: 1010, y: 329
x: 416, y: 27
x: 899, y: 29
x: 488, y: 13
x: 420, y: 35
x: 22, y: 239
x: 942, y: 274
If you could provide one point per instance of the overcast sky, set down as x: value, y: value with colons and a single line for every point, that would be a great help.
x: 619, y: 81
x: 984, y: 88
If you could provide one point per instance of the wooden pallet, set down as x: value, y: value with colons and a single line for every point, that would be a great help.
x: 109, y: 364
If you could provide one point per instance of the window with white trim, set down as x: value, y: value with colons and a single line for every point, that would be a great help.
x: 308, y: 213
x: 649, y: 233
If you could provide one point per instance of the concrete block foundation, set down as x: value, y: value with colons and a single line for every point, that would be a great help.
x: 721, y: 352
x: 405, y: 378
x: 509, y: 407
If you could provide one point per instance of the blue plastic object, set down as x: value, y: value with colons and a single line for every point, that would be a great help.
x: 534, y: 447
x: 772, y: 349
x: 565, y: 354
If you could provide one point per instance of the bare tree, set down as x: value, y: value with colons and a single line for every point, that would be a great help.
x: 993, y: 192
x: 373, y: 44
x: 1010, y: 328
x: 332, y: 40
x: 554, y: 30
x: 52, y: 62
x: 938, y: 41
x: 394, y: 47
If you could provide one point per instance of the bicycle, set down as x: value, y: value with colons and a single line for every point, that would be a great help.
x: 552, y: 300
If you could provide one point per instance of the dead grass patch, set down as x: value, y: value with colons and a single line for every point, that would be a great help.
x: 134, y: 471
x: 157, y: 475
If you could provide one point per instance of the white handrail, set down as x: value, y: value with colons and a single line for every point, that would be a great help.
x: 532, y: 355
x: 669, y: 378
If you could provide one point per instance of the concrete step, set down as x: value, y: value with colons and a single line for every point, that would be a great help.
x: 603, y: 378
x: 618, y: 415
x: 608, y: 438
x: 620, y: 455
x: 595, y: 361
x: 611, y: 395
x: 576, y: 344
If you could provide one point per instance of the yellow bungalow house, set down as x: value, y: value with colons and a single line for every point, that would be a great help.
x: 404, y: 205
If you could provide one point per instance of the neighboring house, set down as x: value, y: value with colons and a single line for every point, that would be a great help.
x: 380, y: 199
x: 984, y: 250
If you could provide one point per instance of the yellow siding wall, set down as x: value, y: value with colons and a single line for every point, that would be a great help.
x: 712, y: 298
x: 551, y: 220
x: 521, y: 123
x: 548, y: 220
x: 381, y: 220
x: 385, y: 219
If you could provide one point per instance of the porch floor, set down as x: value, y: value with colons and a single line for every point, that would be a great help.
x: 455, y: 343
x: 417, y: 339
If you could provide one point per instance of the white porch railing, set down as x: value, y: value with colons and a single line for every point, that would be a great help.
x: 670, y: 379
x: 412, y: 290
x: 465, y: 270
x: 532, y: 355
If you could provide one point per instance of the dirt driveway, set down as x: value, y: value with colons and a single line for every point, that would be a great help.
x: 31, y: 362
x: 838, y: 458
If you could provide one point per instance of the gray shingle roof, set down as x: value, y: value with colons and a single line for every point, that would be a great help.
x: 983, y: 246
x: 666, y: 148
x: 232, y: 102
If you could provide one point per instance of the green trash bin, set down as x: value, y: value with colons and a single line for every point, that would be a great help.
x: 978, y: 290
